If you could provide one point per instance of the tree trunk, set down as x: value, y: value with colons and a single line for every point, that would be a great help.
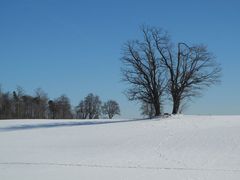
x: 176, y: 105
x: 110, y: 116
x: 157, y: 108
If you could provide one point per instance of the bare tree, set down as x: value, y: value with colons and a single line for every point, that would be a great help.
x: 27, y: 107
x: 6, y: 106
x: 89, y: 108
x: 93, y: 106
x: 148, y: 63
x: 18, y: 103
x: 63, y: 107
x: 143, y: 71
x: 81, y: 112
x: 52, y: 107
x: 190, y: 68
x: 40, y: 102
x: 111, y: 108
x: 60, y: 108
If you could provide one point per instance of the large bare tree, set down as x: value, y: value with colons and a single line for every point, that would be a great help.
x: 142, y: 70
x: 149, y: 63
x: 190, y: 68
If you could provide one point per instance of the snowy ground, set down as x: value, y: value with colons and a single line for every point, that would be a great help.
x: 177, y: 148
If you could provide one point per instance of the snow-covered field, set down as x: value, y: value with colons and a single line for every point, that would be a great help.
x: 175, y: 148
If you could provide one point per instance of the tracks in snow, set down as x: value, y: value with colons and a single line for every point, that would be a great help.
x: 115, y: 166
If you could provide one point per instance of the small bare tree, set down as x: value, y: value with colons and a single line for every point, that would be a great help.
x: 143, y: 71
x: 190, y: 68
x: 89, y: 108
x: 111, y: 108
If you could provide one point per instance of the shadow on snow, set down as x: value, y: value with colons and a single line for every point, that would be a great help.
x: 63, y: 124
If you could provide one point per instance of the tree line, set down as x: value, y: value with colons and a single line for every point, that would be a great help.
x: 157, y: 69
x: 19, y: 105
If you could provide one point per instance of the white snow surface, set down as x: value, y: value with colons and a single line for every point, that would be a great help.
x: 176, y: 148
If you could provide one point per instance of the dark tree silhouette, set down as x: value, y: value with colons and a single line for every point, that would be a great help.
x: 6, y: 110
x: 143, y: 71
x: 81, y: 111
x: 89, y: 108
x: 52, y: 109
x: 111, y: 108
x: 40, y: 101
x: 190, y: 68
x: 63, y: 107
x: 149, y: 63
x: 18, y: 105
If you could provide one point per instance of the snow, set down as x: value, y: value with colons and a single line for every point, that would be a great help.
x: 179, y: 147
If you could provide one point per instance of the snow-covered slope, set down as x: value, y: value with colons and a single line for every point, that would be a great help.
x: 180, y: 147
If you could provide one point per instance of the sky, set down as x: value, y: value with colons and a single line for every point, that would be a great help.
x: 74, y: 47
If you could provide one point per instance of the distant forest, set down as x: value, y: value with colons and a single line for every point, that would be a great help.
x: 19, y: 105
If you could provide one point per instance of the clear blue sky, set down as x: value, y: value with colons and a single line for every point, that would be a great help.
x: 73, y: 47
